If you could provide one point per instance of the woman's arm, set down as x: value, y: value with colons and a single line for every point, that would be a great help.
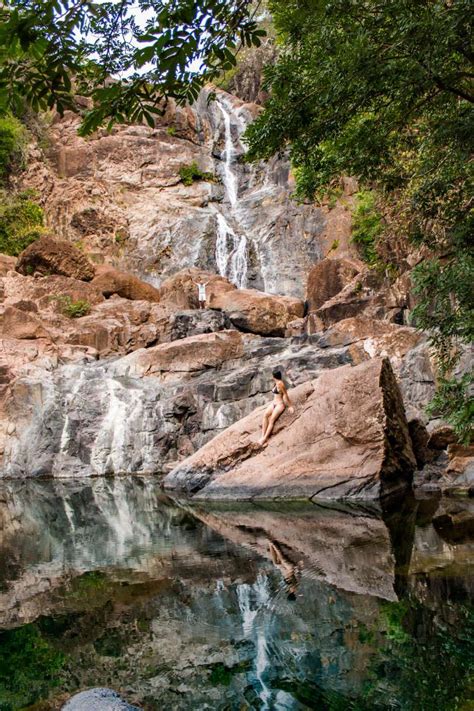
x: 286, y: 399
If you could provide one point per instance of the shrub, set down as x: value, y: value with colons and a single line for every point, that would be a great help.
x: 21, y: 222
x: 13, y: 140
x: 366, y: 225
x: 192, y: 172
x: 73, y: 309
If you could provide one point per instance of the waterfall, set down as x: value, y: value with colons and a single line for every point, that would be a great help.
x: 231, y: 247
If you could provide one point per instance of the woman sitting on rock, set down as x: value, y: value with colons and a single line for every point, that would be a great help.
x: 281, y: 400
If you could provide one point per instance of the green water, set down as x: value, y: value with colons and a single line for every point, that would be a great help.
x: 109, y: 583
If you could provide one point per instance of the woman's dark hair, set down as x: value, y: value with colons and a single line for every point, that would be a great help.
x: 277, y: 374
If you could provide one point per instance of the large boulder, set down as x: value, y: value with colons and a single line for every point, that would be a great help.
x: 7, y: 264
x: 51, y: 256
x: 110, y: 281
x: 348, y: 438
x: 180, y: 291
x: 253, y: 311
x: 327, y: 278
x: 249, y: 310
x: 184, y: 356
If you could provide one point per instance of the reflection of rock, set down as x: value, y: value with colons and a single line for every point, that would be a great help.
x: 456, y: 524
x: 348, y: 438
x: 347, y: 549
x: 49, y: 256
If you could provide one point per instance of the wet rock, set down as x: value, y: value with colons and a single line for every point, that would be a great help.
x: 110, y: 281
x: 348, y: 438
x: 99, y: 699
x: 50, y: 256
x: 327, y: 278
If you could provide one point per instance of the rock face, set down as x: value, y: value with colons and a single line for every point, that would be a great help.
x: 327, y: 278
x: 50, y: 256
x: 347, y: 439
x: 120, y: 195
x: 110, y: 281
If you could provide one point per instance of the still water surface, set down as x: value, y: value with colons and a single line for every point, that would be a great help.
x: 109, y: 583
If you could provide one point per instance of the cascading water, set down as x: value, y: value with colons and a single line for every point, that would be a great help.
x: 231, y: 248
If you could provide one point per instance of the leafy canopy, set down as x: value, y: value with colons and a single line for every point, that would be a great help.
x: 126, y: 55
x: 384, y: 91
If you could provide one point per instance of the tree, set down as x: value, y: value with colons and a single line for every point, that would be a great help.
x: 384, y: 91
x: 126, y: 55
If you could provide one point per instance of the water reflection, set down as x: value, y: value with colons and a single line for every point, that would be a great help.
x: 108, y: 583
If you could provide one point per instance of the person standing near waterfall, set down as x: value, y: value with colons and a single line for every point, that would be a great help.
x: 202, y: 293
x: 281, y: 401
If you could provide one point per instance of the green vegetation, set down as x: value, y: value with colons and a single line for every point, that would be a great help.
x: 383, y: 92
x: 47, y: 60
x: 13, y: 139
x: 21, y: 222
x: 73, y: 309
x: 29, y: 667
x: 366, y: 226
x: 190, y: 173
x: 171, y: 130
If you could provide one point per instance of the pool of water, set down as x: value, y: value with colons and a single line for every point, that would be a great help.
x: 109, y: 583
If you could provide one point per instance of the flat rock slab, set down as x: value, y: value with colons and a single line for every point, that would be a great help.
x: 348, y: 438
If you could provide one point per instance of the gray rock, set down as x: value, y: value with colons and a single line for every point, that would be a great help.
x: 98, y: 700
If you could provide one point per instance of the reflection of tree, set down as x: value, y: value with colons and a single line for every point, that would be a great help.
x: 427, y: 661
x: 29, y: 666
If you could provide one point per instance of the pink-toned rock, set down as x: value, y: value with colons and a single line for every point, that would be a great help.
x: 7, y: 264
x: 380, y: 338
x: 19, y: 323
x: 185, y: 356
x: 49, y: 292
x: 50, y: 256
x: 348, y: 438
x: 255, y: 312
x: 181, y: 291
x: 111, y: 281
x: 461, y: 460
x: 327, y: 278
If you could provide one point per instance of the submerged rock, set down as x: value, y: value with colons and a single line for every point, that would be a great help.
x: 99, y: 699
x: 348, y: 438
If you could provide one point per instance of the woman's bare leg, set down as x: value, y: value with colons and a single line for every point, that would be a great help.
x: 274, y: 417
x: 266, y: 418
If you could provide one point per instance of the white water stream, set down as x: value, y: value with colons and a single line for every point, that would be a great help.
x: 231, y: 247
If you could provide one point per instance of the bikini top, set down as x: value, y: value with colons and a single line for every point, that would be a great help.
x: 275, y: 391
